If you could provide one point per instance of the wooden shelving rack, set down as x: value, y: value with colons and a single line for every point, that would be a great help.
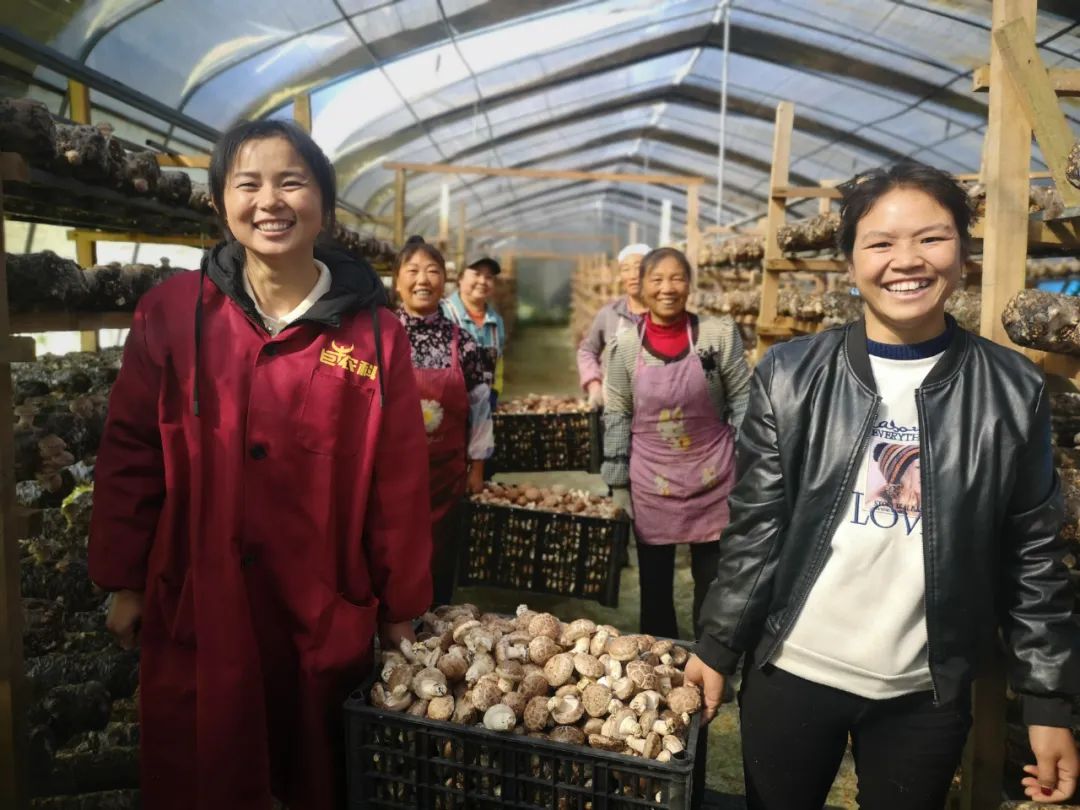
x: 1023, y: 102
x: 12, y: 681
x: 770, y: 326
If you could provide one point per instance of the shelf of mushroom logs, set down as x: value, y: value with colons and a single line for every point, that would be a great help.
x: 82, y: 176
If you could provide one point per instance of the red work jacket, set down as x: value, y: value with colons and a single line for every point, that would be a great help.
x: 270, y: 532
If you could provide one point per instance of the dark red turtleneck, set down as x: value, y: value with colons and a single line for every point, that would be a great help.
x: 667, y: 341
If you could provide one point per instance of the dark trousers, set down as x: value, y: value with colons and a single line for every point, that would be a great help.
x: 795, y: 732
x: 656, y: 573
x: 444, y: 554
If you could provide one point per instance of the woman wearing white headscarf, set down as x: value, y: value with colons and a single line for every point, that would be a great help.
x: 625, y: 312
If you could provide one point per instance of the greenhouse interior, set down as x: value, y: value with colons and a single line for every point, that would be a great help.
x: 733, y: 347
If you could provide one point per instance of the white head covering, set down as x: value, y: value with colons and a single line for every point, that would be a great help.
x: 639, y: 249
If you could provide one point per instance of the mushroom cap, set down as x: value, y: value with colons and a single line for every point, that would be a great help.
x: 662, y: 647
x: 399, y: 675
x: 545, y: 624
x: 684, y: 699
x: 518, y: 637
x: 429, y: 683
x: 593, y: 725
x: 462, y: 628
x: 465, y: 712
x: 441, y: 708
x: 595, y: 699
x: 510, y: 671
x: 652, y: 745
x: 566, y: 709
x: 623, y: 648
x: 623, y: 688
x: 579, y: 628
x: 453, y: 666
x: 645, y: 642
x: 500, y: 717
x: 598, y: 643
x: 542, y: 648
x: 643, y: 701
x: 418, y: 708
x: 603, y: 743
x: 484, y: 695
x: 679, y: 655
x: 559, y: 669
x: 523, y: 618
x: 567, y: 734
x: 536, y: 714
x: 533, y: 685
x: 589, y: 666
x: 517, y: 702
x: 639, y: 672
x: 482, y: 664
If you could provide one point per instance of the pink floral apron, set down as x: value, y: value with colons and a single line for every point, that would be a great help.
x: 682, y: 454
x: 444, y: 402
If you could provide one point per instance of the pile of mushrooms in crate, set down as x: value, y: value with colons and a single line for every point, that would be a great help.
x: 543, y: 404
x: 556, y: 498
x: 532, y: 674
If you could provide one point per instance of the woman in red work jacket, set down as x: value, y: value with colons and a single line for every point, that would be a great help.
x: 454, y: 377
x: 252, y: 516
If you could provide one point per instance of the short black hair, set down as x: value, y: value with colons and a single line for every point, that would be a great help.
x: 864, y: 190
x: 228, y: 146
x: 412, y: 246
x: 486, y: 263
x: 651, y: 259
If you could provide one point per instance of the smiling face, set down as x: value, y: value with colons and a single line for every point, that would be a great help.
x: 665, y: 288
x: 629, y: 274
x: 906, y: 262
x: 273, y: 205
x: 420, y: 284
x: 476, y: 285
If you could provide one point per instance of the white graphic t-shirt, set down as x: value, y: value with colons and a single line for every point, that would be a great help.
x: 863, y: 628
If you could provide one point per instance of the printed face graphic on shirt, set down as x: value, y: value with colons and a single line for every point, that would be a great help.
x: 892, y: 494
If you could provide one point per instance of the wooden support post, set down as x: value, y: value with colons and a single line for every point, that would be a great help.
x: 79, y: 102
x: 86, y: 256
x: 777, y: 213
x: 1015, y: 44
x: 399, y: 208
x: 13, y: 692
x: 461, y: 238
x: 1006, y: 166
x: 302, y: 111
x: 633, y: 233
x: 1008, y: 150
x: 693, y: 227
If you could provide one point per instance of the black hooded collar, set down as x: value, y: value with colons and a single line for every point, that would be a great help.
x: 354, y: 285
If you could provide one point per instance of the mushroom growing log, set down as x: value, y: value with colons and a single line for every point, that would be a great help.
x: 1072, y: 167
x: 27, y: 127
x: 1045, y: 321
x: 818, y: 233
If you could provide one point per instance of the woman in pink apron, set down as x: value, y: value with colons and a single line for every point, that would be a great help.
x: 454, y: 377
x: 675, y: 393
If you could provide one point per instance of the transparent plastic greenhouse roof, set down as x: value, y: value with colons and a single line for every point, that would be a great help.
x: 616, y: 85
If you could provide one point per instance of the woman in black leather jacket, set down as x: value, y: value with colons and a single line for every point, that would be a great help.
x: 896, y: 507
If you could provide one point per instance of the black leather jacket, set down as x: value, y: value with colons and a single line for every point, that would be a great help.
x: 991, y: 511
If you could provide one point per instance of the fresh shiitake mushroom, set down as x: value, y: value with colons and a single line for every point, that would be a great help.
x: 429, y: 683
x: 623, y: 648
x: 648, y: 747
x: 595, y: 699
x: 536, y: 714
x: 441, y: 708
x: 643, y: 701
x: 500, y: 717
x: 381, y: 698
x: 510, y: 675
x: 567, y: 734
x: 684, y: 700
x: 589, y: 666
x: 453, y: 666
x: 535, y: 684
x: 577, y: 629
x: 418, y: 708
x: 481, y: 665
x: 517, y: 702
x: 603, y: 743
x: 566, y: 709
x: 544, y: 624
x: 543, y: 648
x: 559, y: 669
x: 484, y: 695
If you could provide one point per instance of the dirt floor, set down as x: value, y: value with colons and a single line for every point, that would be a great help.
x: 541, y: 360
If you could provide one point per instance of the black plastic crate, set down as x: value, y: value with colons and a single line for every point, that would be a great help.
x: 547, y: 442
x: 396, y: 760
x: 542, y: 552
